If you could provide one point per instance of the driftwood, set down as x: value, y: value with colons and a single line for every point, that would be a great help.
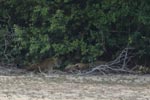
x: 120, y: 64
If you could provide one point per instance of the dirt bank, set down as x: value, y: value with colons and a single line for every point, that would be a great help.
x: 69, y: 87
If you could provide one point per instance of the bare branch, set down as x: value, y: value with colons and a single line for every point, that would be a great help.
x: 120, y: 64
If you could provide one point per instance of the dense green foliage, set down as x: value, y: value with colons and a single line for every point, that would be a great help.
x: 79, y: 30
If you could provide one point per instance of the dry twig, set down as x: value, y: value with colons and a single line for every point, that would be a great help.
x: 120, y: 64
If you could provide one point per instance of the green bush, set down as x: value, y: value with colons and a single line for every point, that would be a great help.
x: 83, y: 30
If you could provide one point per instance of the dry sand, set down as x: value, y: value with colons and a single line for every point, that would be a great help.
x: 73, y: 87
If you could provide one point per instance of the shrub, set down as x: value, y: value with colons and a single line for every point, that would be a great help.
x: 84, y: 30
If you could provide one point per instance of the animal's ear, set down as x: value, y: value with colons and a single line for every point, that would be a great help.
x: 57, y: 59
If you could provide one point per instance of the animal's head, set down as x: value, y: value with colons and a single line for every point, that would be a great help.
x: 57, y: 62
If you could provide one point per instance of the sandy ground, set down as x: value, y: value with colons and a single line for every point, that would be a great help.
x: 16, y: 84
x: 73, y: 87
